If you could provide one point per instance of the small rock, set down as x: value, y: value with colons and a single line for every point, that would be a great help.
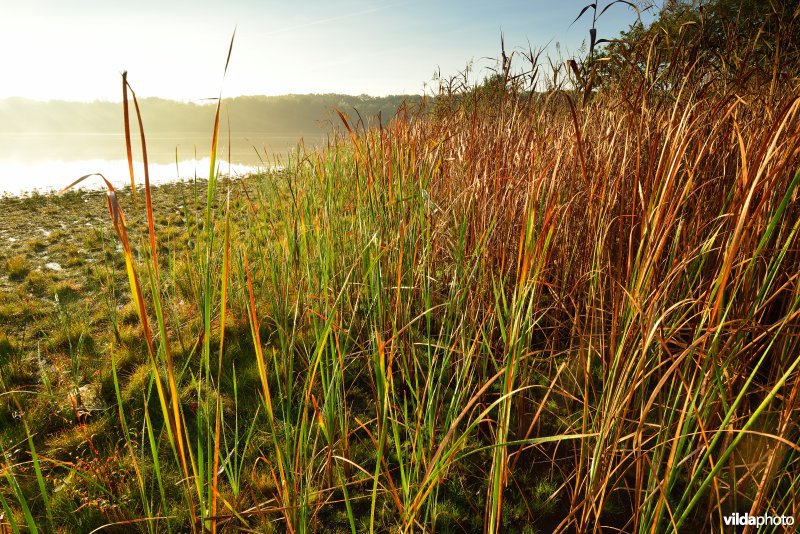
x: 90, y: 397
x: 53, y: 266
x: 87, y: 400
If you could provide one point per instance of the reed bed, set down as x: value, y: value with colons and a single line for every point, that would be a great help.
x: 567, y: 309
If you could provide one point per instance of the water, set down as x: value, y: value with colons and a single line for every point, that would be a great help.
x: 46, y: 162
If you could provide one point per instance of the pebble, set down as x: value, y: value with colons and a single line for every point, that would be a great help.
x: 53, y: 266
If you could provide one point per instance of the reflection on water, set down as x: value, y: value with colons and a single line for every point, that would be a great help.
x: 50, y: 176
x: 47, y: 162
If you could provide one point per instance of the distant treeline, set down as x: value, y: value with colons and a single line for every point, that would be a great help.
x: 274, y: 114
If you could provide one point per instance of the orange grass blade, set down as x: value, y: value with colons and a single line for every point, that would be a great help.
x: 173, y: 417
x: 174, y: 394
x: 350, y: 131
x: 127, y: 124
x: 118, y: 219
x: 148, y: 198
x: 262, y: 370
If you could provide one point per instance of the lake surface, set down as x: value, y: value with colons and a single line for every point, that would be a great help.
x: 47, y: 162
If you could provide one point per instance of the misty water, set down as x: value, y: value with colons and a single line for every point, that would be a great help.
x: 46, y: 162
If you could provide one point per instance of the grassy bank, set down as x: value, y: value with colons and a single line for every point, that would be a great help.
x: 564, y: 310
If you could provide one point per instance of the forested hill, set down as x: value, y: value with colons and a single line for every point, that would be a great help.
x: 274, y: 114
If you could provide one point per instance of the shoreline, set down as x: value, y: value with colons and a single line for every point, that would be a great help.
x: 59, y: 235
x: 237, y: 172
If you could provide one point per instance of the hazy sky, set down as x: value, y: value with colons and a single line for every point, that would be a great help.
x: 75, y: 50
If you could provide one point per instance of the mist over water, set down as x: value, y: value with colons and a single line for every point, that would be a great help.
x: 47, y: 161
x: 45, y: 145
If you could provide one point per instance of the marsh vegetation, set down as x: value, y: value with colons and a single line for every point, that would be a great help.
x: 565, y: 298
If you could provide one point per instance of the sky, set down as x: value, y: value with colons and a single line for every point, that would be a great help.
x: 76, y: 50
